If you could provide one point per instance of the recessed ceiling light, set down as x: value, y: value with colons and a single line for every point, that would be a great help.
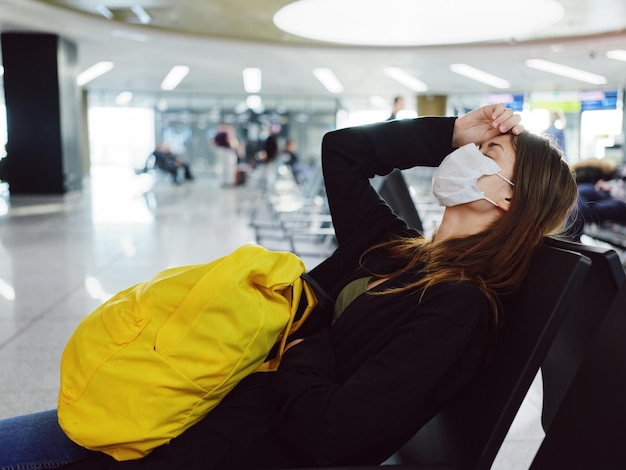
x: 411, y: 22
x: 141, y: 14
x: 328, y: 79
x: 565, y: 71
x: 174, y: 77
x: 252, y: 79
x: 480, y: 76
x: 93, y: 72
x: 408, y: 80
x: 104, y: 11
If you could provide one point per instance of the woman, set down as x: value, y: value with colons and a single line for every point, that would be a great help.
x: 226, y: 153
x: 413, y: 318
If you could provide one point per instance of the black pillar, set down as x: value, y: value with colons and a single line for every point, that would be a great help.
x: 43, y: 113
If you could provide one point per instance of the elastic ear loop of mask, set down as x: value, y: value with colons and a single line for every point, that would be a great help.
x: 505, y: 179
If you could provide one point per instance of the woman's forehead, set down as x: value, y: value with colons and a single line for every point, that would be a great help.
x: 502, y: 140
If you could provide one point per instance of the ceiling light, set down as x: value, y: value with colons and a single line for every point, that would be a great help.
x: 617, y: 54
x: 565, y: 71
x: 328, y: 79
x: 1, y: 70
x: 93, y: 72
x: 123, y: 98
x: 405, y: 78
x: 252, y: 79
x: 411, y: 22
x: 141, y: 14
x: 174, y: 77
x: 104, y: 11
x: 480, y: 76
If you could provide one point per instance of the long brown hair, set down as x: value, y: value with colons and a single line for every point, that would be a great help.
x: 498, y: 258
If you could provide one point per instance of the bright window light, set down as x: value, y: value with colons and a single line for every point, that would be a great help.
x: 406, y: 114
x: 93, y: 72
x: 379, y: 102
x: 328, y: 79
x: 480, y: 76
x: 565, y: 71
x: 134, y: 133
x: 405, y: 79
x: 412, y: 22
x: 174, y: 77
x: 252, y: 79
x: 617, y: 54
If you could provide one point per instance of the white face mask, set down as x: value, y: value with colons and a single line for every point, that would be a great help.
x: 455, y: 180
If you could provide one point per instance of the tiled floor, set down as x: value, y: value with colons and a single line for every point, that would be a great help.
x: 60, y: 257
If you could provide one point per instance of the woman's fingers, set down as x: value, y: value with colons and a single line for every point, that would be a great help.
x: 505, y: 120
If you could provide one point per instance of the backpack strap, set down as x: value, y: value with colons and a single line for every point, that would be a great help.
x: 314, y: 295
x: 323, y: 299
x: 297, y: 289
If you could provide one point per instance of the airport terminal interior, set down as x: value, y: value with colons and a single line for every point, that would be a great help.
x: 114, y: 217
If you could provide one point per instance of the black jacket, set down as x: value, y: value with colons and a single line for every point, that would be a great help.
x: 352, y: 393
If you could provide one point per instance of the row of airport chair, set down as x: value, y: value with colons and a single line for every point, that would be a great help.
x: 609, y: 233
x: 613, y: 233
x: 569, y: 321
x: 298, y: 215
x: 294, y: 216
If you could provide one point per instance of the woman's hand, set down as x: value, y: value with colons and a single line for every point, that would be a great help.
x: 485, y: 123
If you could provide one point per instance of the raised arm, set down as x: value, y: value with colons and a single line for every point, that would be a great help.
x: 353, y: 155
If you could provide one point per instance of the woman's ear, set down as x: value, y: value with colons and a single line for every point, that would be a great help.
x: 504, y: 203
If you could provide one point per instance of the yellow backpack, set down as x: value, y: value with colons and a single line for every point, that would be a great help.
x: 158, y: 356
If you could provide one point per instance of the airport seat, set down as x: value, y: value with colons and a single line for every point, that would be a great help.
x: 395, y: 191
x: 469, y: 432
x: 589, y: 307
x: 613, y: 233
x: 589, y: 428
x: 295, y: 217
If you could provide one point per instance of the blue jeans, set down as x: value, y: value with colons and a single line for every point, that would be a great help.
x: 36, y: 441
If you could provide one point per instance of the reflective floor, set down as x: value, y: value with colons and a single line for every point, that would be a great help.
x: 62, y: 256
